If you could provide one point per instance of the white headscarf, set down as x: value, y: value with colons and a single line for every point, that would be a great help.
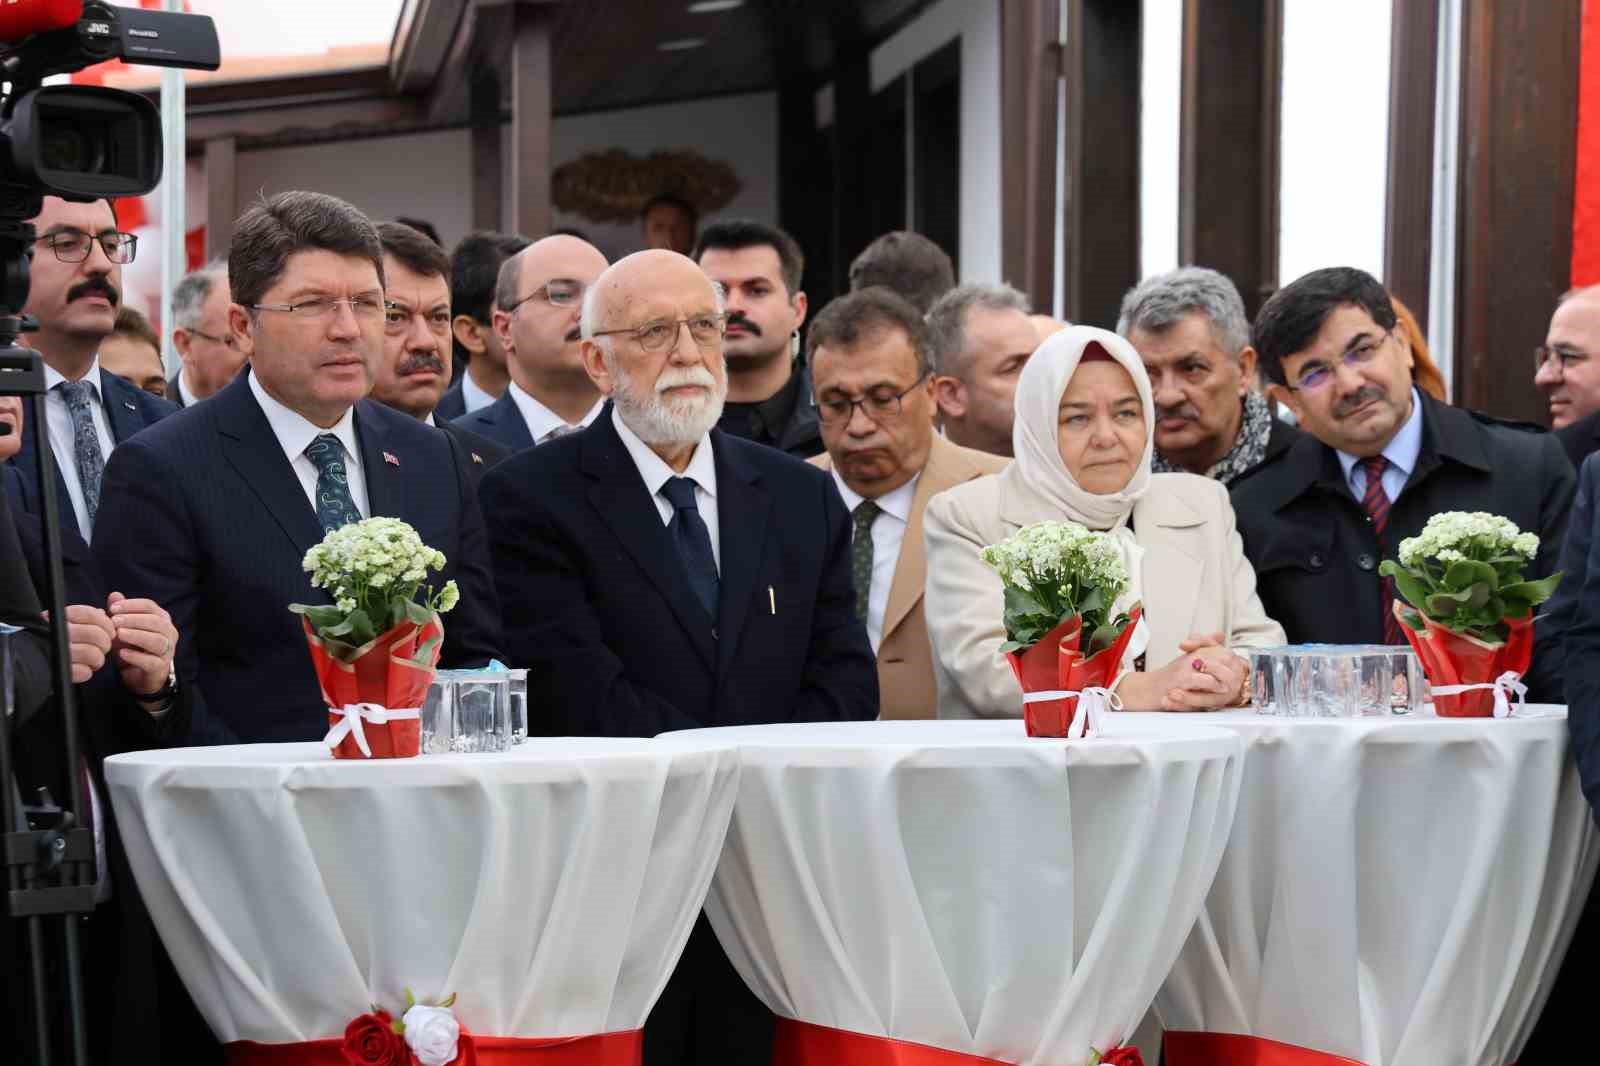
x: 1038, y: 462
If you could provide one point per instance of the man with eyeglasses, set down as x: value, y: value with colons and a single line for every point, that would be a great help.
x: 868, y: 353
x: 537, y: 304
x: 1566, y: 369
x: 1377, y: 460
x: 415, y: 366
x: 75, y: 290
x: 658, y: 573
x: 211, y: 513
x: 211, y: 357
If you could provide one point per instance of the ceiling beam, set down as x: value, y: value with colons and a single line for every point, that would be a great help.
x: 422, y: 40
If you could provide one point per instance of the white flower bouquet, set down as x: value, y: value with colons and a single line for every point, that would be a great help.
x: 1065, y: 637
x: 1470, y: 613
x: 375, y: 648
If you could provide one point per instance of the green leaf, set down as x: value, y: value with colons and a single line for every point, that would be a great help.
x: 411, y: 1000
x: 398, y: 1026
x: 1479, y: 595
x: 1533, y: 592
x: 1015, y: 645
x: 1020, y: 601
x: 424, y: 651
x: 416, y: 613
x: 1413, y: 620
x: 1464, y: 573
x: 1103, y: 637
x: 1412, y: 589
x: 450, y: 1000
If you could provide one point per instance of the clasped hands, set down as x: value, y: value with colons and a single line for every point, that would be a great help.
x: 1206, y: 676
x: 136, y: 635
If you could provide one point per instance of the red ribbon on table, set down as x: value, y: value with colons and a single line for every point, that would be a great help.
x: 805, y: 1044
x: 606, y: 1049
x: 1234, y: 1049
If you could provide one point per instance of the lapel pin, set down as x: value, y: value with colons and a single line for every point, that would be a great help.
x: 477, y: 458
x: 389, y: 458
x: 130, y: 405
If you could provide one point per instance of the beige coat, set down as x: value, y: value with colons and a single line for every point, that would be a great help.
x: 1196, y: 579
x: 905, y: 658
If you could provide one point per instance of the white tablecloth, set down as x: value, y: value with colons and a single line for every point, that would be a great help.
x: 551, y: 888
x: 960, y: 885
x: 1395, y: 889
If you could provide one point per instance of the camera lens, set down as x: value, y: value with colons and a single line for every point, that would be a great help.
x: 68, y: 149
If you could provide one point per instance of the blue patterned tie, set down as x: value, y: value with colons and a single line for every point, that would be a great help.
x: 693, y: 541
x: 335, y: 506
x: 86, y: 455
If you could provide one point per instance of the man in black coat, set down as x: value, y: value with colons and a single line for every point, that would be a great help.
x: 211, y: 513
x: 660, y: 574
x: 1374, y: 445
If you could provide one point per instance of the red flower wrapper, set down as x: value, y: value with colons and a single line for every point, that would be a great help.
x: 380, y: 674
x: 1054, y: 664
x: 1450, y: 658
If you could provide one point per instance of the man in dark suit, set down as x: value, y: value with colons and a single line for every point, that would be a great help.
x: 211, y: 513
x: 660, y: 574
x: 1377, y: 460
x: 480, y: 362
x: 416, y: 339
x: 211, y: 357
x: 1581, y: 438
x: 75, y: 289
x: 537, y: 301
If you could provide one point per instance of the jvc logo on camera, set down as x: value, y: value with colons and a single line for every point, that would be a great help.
x: 97, y: 29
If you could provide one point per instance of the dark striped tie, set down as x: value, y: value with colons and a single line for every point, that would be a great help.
x: 1376, y: 503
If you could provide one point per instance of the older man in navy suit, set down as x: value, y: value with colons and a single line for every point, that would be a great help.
x: 210, y: 513
x: 659, y: 574
x: 76, y: 286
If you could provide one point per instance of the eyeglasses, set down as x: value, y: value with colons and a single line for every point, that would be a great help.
x: 366, y: 308
x: 227, y: 341
x: 707, y: 331
x: 557, y: 292
x: 73, y: 245
x: 880, y: 406
x: 1317, y: 375
x: 1565, y: 358
x: 397, y: 319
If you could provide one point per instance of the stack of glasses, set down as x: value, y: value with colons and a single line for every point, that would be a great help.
x: 1335, y: 680
x: 475, y: 711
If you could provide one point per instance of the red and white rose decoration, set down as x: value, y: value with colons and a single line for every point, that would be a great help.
x: 427, y: 1034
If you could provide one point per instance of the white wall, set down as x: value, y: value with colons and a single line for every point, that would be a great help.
x: 429, y: 175
x: 977, y: 24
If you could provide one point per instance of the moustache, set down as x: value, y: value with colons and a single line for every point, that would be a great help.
x: 421, y: 361
x: 1359, y: 398
x: 738, y: 319
x: 673, y: 379
x: 94, y: 286
x: 1185, y: 411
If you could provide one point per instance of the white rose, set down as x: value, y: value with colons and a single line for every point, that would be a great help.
x: 432, y: 1034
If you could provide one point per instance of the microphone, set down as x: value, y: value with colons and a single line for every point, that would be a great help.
x: 23, y: 18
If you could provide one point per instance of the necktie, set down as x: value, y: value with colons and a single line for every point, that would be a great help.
x: 86, y: 455
x: 557, y: 433
x: 335, y: 506
x: 693, y: 541
x: 865, y: 514
x: 1376, y: 503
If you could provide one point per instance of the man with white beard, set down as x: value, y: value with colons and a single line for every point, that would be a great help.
x: 656, y: 573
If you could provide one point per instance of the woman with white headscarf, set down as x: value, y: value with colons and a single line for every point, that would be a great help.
x: 1082, y: 438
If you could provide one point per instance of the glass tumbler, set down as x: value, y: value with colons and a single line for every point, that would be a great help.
x: 482, y: 711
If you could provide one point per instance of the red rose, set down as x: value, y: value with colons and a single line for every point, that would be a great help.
x: 1122, y: 1056
x: 370, y: 1040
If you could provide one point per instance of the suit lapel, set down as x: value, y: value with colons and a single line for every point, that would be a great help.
x: 27, y: 461
x: 743, y: 511
x: 121, y: 406
x: 618, y: 494
x: 507, y: 417
x: 943, y: 470
x: 1174, y: 562
x: 380, y: 468
x: 252, y: 449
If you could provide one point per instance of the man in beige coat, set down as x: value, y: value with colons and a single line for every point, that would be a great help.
x: 868, y: 358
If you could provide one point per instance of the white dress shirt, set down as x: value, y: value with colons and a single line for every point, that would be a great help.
x: 702, y: 470
x: 473, y: 397
x: 62, y: 437
x: 295, y: 435
x: 189, y: 398
x: 1402, y: 453
x: 541, y: 420
x: 888, y: 533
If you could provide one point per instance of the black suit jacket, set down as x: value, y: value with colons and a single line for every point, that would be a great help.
x: 174, y: 393
x: 129, y: 409
x: 1315, y: 555
x: 599, y: 608
x: 1575, y: 614
x: 501, y: 422
x: 204, y: 515
x: 481, y: 453
x: 452, y: 405
x: 1580, y: 438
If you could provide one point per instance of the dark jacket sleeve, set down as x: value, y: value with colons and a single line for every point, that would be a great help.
x: 146, y: 545
x: 19, y: 606
x: 1556, y: 505
x: 841, y: 674
x: 1579, y: 618
x: 553, y: 629
x: 472, y: 629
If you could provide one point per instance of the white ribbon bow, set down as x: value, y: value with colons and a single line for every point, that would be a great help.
x: 355, y: 713
x: 1504, y: 686
x: 1093, y: 703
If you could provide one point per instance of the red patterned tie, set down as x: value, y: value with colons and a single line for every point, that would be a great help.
x: 1376, y: 503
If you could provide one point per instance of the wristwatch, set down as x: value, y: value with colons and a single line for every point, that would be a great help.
x: 166, y: 693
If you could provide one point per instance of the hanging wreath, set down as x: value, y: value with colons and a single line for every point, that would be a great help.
x: 615, y: 185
